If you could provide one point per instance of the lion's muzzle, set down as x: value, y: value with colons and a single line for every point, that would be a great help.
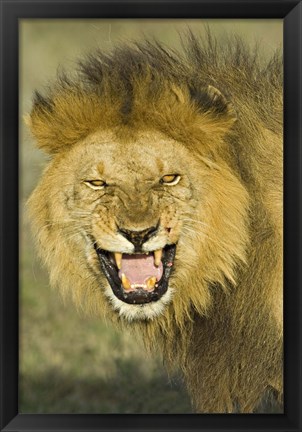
x: 138, y: 238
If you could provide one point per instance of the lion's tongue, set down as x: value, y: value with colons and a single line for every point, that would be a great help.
x: 139, y: 268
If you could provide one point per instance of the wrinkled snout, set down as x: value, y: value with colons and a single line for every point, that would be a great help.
x: 138, y: 238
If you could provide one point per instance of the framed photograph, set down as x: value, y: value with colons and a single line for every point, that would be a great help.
x: 150, y: 217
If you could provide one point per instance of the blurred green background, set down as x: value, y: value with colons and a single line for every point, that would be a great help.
x: 70, y: 363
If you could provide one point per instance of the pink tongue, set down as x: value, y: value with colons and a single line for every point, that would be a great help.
x: 139, y: 268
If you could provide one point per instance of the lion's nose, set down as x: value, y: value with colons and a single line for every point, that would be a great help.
x: 138, y: 238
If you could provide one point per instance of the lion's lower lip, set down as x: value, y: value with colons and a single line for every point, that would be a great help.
x: 138, y: 295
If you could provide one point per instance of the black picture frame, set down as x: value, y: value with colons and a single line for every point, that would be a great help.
x: 11, y: 12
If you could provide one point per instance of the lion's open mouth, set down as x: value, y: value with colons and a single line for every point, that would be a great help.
x: 138, y: 278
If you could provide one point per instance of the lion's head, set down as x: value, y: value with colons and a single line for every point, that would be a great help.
x: 139, y: 213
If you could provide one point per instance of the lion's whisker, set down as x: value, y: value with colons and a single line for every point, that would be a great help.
x: 196, y: 221
x: 206, y: 235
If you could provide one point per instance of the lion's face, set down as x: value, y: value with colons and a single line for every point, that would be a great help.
x: 131, y: 204
x: 143, y: 224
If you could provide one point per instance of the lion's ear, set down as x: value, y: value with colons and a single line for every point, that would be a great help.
x: 211, y: 101
x: 215, y: 114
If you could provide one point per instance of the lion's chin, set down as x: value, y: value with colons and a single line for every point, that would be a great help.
x: 139, y: 312
x: 139, y: 294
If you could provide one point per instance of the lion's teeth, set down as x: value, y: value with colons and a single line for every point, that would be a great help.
x: 151, y: 282
x: 126, y: 283
x: 118, y: 259
x: 157, y: 256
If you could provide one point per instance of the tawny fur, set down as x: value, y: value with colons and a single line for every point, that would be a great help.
x: 142, y: 112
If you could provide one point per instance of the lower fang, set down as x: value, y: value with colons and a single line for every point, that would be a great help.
x: 125, y: 282
x: 151, y: 282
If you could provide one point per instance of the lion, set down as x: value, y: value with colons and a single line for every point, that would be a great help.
x: 161, y: 206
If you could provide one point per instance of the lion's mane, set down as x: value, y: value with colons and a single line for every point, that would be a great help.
x: 225, y: 331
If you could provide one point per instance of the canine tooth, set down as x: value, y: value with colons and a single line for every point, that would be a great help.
x: 118, y: 259
x: 125, y: 281
x: 157, y: 256
x: 151, y: 282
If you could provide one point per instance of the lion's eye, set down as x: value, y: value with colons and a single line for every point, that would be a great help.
x: 170, y: 179
x: 95, y: 184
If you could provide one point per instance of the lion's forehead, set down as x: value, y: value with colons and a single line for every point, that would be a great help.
x: 145, y: 158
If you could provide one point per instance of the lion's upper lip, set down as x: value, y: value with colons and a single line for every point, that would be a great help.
x: 138, y: 278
